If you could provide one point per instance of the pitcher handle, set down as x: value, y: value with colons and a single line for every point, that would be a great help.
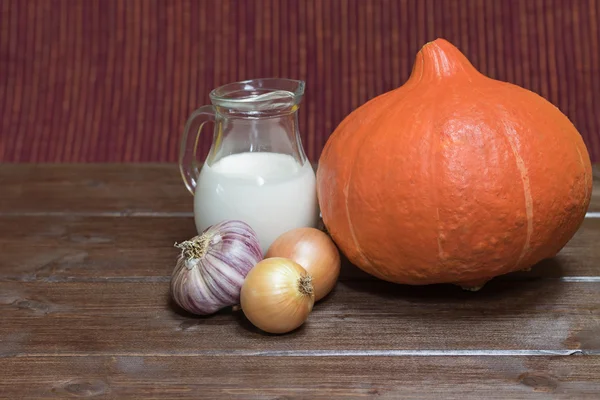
x: 188, y: 163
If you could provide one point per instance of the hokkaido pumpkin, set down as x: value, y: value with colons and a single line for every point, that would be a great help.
x: 453, y: 177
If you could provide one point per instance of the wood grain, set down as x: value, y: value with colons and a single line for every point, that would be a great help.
x: 85, y: 257
x: 79, y: 248
x: 112, y: 189
x: 93, y: 188
x: 138, y: 318
x: 210, y: 377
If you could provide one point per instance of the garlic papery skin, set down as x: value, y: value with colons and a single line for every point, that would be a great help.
x: 212, y: 267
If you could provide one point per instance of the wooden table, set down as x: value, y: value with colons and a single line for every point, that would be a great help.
x: 86, y: 253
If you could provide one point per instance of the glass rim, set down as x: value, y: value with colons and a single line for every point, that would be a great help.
x: 222, y: 94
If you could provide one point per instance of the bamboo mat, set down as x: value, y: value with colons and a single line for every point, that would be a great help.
x: 114, y: 80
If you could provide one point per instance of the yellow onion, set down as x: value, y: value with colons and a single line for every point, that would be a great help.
x: 315, y: 252
x: 277, y: 295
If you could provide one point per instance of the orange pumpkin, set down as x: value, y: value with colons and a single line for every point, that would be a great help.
x: 453, y: 177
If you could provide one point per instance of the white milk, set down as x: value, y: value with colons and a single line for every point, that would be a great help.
x: 268, y: 191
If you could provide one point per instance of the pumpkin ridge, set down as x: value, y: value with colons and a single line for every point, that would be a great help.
x: 585, y: 177
x: 556, y: 118
x: 346, y: 191
x: 350, y: 225
x: 381, y: 115
x: 436, y: 183
x: 526, y: 191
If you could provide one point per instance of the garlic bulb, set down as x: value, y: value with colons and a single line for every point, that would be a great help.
x: 212, y: 267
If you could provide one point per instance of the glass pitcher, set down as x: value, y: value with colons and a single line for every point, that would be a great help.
x: 256, y: 170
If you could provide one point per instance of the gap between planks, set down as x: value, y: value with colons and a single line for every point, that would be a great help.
x: 127, y: 213
x: 327, y: 353
x: 165, y: 279
x: 108, y: 214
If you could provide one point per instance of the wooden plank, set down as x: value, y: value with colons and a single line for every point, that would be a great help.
x: 85, y: 310
x: 138, y: 318
x: 208, y: 377
x: 93, y: 188
x: 112, y: 188
x: 59, y: 248
x: 71, y: 248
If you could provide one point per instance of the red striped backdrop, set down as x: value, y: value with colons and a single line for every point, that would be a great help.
x: 114, y: 80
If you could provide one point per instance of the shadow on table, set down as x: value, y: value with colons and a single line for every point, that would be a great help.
x: 549, y: 268
x: 509, y: 294
x: 191, y: 321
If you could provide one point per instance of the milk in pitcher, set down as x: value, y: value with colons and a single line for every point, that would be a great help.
x: 271, y: 192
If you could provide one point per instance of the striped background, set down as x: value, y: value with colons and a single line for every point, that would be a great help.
x: 114, y: 80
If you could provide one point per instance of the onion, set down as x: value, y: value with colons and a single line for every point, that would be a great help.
x: 212, y: 267
x: 277, y: 295
x: 315, y: 252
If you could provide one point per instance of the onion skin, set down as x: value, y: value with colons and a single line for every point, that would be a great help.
x: 277, y: 295
x: 212, y: 267
x: 315, y: 252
